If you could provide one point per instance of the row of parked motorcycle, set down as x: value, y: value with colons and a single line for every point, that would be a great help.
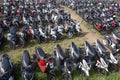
x: 82, y: 60
x: 39, y: 21
x: 102, y: 15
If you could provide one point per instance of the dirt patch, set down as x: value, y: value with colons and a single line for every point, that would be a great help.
x: 90, y: 36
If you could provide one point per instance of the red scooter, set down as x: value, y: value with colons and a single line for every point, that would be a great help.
x: 45, y: 64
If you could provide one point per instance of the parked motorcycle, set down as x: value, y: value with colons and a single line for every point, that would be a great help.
x: 22, y: 38
x: 6, y: 67
x: 78, y: 29
x: 64, y: 65
x: 101, y: 48
x: 73, y: 54
x: 84, y: 68
x: 111, y: 43
x: 12, y: 37
x: 70, y: 31
x: 43, y: 35
x: 45, y: 64
x: 102, y: 66
x: 89, y: 50
x: 53, y: 33
x: 34, y: 32
x: 60, y: 28
x: 27, y: 66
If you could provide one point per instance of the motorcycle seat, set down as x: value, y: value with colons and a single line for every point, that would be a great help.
x: 40, y: 53
x: 116, y: 36
x: 101, y: 46
x: 60, y: 52
x: 114, y: 40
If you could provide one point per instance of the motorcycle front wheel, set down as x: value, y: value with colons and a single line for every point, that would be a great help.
x: 69, y: 34
x: 67, y: 77
x: 22, y: 43
x: 12, y: 45
x: 53, y: 39
x: 51, y: 77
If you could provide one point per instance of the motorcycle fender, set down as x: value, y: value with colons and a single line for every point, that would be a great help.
x: 13, y: 42
x: 87, y: 72
x: 11, y: 78
x: 22, y: 39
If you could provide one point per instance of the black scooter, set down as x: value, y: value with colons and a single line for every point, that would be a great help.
x: 6, y: 67
x: 26, y: 66
x: 63, y: 64
x: 1, y: 36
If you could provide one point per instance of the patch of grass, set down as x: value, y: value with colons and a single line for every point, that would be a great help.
x: 90, y: 27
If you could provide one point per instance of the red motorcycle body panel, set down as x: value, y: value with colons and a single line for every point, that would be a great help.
x: 113, y: 23
x: 99, y: 27
x: 42, y: 65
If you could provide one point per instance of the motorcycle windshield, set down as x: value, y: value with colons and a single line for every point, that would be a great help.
x: 40, y: 53
x: 90, y: 49
x: 26, y: 59
x: 100, y: 45
x: 60, y: 52
x: 76, y: 52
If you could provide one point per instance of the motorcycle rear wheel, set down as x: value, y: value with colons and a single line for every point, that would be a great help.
x: 22, y: 43
x: 51, y: 77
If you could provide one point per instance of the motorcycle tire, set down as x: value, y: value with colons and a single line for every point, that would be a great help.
x: 38, y: 40
x: 69, y: 35
x: 12, y: 45
x: 78, y: 34
x: 59, y: 36
x: 53, y: 39
x: 22, y: 43
x: 67, y: 77
x: 51, y: 77
x: 83, y: 73
x: 102, y: 72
